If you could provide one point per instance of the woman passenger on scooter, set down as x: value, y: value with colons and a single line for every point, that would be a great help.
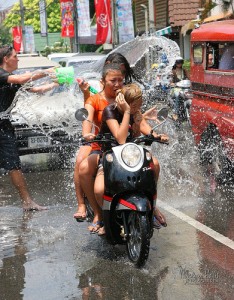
x: 124, y: 120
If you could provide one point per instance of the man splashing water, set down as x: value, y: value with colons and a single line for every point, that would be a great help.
x: 9, y: 85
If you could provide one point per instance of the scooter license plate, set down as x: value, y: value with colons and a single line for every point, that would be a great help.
x: 38, y: 141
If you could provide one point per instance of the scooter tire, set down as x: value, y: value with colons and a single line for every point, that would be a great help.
x: 138, y: 242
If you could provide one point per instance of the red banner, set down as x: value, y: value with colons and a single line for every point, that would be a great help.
x: 17, y: 38
x: 103, y: 16
x: 67, y: 18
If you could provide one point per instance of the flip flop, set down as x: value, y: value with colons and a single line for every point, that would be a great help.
x: 101, y: 231
x: 157, y: 224
x: 31, y: 209
x: 94, y: 227
x: 80, y: 218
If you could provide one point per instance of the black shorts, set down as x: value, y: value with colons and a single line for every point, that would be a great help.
x: 9, y: 155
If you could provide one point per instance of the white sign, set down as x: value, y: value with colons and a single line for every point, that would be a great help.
x: 29, y: 39
x: 83, y: 18
x: 125, y: 20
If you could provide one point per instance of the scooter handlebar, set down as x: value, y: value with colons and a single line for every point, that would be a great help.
x: 109, y: 139
x: 148, y: 140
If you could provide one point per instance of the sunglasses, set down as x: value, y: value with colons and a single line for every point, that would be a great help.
x: 179, y: 62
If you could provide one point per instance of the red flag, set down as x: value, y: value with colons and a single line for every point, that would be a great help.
x: 17, y: 38
x: 67, y: 18
x: 103, y: 16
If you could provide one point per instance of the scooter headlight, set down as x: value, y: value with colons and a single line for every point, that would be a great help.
x: 131, y: 155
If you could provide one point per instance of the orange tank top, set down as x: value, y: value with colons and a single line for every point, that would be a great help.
x: 98, y: 103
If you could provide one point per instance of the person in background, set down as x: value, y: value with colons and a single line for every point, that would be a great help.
x: 178, y: 73
x: 9, y: 85
x: 210, y: 60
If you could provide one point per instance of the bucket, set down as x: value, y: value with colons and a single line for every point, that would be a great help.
x: 65, y: 75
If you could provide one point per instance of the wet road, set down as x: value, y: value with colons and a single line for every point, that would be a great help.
x: 48, y: 255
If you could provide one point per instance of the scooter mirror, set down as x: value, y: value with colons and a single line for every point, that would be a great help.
x: 81, y: 114
x: 162, y: 114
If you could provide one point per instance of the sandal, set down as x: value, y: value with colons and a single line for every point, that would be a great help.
x: 156, y: 223
x: 80, y: 217
x: 101, y: 231
x: 159, y: 220
x: 94, y: 227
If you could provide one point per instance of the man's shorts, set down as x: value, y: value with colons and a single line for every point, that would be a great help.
x: 9, y: 155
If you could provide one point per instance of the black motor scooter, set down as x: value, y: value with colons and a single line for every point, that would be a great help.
x: 130, y: 191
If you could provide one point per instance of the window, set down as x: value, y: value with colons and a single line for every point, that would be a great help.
x: 197, y: 54
x: 222, y: 55
x: 226, y: 61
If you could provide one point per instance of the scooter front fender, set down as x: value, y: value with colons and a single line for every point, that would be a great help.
x: 133, y: 202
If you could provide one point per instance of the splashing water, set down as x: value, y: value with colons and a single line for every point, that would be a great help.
x: 57, y: 107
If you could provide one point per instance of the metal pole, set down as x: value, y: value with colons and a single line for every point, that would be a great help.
x: 146, y: 19
x: 151, y: 15
x: 77, y: 47
x: 113, y: 12
x: 47, y: 33
x: 22, y: 23
x: 113, y: 22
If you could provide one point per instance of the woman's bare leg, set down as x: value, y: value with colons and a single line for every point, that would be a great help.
x: 157, y: 213
x: 83, y: 152
x: 99, y: 191
x: 99, y: 186
x: 87, y: 171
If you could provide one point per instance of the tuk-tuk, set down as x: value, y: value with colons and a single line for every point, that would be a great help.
x: 212, y: 79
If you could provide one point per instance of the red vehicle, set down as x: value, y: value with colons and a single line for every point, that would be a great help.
x: 212, y: 78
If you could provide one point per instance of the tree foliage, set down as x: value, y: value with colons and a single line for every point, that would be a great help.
x: 5, y: 36
x: 32, y: 15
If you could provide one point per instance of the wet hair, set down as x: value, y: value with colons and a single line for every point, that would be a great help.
x: 132, y: 92
x: 118, y: 58
x: 110, y: 67
x: 179, y: 60
x: 5, y: 51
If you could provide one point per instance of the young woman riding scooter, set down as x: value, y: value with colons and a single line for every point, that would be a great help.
x: 88, y: 168
x: 85, y: 150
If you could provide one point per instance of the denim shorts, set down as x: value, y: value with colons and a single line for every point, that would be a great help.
x: 9, y: 155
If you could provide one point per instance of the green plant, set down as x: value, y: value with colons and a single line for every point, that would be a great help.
x: 186, y: 65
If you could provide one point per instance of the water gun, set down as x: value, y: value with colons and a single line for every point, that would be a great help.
x: 91, y: 89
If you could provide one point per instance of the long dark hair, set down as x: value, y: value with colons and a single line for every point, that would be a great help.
x: 118, y: 58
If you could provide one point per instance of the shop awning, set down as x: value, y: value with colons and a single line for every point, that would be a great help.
x: 218, y: 17
x: 189, y: 26
x: 166, y: 30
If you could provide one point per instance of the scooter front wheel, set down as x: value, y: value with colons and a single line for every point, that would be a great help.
x: 138, y: 242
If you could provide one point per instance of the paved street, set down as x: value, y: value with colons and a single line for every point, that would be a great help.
x: 48, y: 255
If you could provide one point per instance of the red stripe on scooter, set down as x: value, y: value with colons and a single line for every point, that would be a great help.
x: 127, y: 204
x: 107, y: 198
x: 121, y: 201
